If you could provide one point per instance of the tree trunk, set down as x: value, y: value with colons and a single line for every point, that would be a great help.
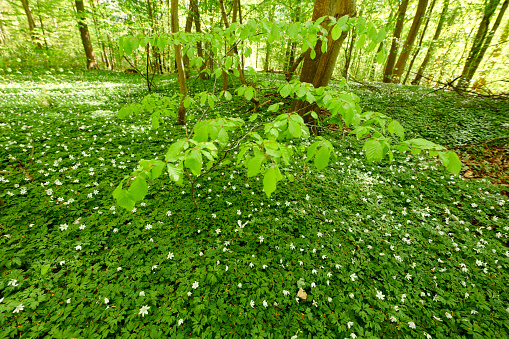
x: 482, y: 41
x: 393, y: 53
x: 318, y: 71
x: 419, y: 45
x: 85, y: 35
x: 407, y: 47
x: 31, y: 22
x: 496, y: 52
x: 187, y: 29
x: 180, y: 63
x: 431, y: 48
x: 104, y: 55
x: 348, y: 57
x: 3, y: 31
x: 199, y: 46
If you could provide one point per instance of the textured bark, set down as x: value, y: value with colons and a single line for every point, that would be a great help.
x: 419, y: 45
x: 348, y: 57
x: 85, y: 35
x: 407, y: 47
x: 496, y: 52
x: 180, y: 64
x: 481, y: 42
x: 393, y: 53
x: 318, y: 71
x: 431, y: 48
x: 31, y: 22
x: 187, y: 29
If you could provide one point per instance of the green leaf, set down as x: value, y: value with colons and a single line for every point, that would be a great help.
x: 138, y: 189
x: 45, y: 269
x: 227, y: 95
x: 274, y: 107
x: 343, y: 20
x: 285, y: 91
x: 194, y: 161
x: 174, y: 150
x: 312, y: 150
x: 155, y: 121
x: 314, y: 115
x: 249, y: 93
x: 270, y: 181
x: 360, y: 42
x: 254, y: 164
x: 157, y: 169
x: 124, y: 201
x: 312, y: 55
x: 373, y: 149
x: 174, y: 172
x: 336, y: 32
x: 322, y: 157
x: 294, y: 129
x: 188, y: 101
x: 254, y: 116
x: 454, y: 165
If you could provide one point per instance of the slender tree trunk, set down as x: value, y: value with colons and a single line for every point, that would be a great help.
x: 318, y: 71
x: 393, y: 53
x: 407, y: 47
x: 479, y: 48
x: 348, y: 57
x: 180, y: 63
x: 419, y: 45
x: 187, y: 29
x: 85, y: 35
x: 266, y: 63
x: 199, y: 45
x: 104, y: 55
x: 42, y: 25
x: 31, y: 22
x: 431, y: 48
x: 496, y: 52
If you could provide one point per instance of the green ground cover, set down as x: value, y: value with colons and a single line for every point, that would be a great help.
x: 399, y: 249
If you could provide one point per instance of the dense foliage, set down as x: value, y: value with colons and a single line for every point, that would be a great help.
x: 401, y: 249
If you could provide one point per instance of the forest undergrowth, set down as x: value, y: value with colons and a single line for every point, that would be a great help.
x: 368, y: 250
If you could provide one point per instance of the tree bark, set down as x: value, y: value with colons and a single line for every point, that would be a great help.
x: 3, y: 31
x: 31, y: 22
x: 393, y: 53
x: 419, y: 45
x: 407, y: 47
x: 85, y: 35
x: 496, y: 52
x: 104, y: 55
x: 180, y: 64
x: 318, y: 71
x: 199, y: 45
x: 479, y: 48
x: 431, y: 48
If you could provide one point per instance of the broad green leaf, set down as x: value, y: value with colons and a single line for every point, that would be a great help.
x: 274, y: 107
x: 228, y: 62
x: 138, y: 189
x: 254, y: 164
x: 373, y: 150
x: 343, y: 20
x: 360, y: 42
x: 254, y: 116
x: 312, y: 55
x: 194, y: 161
x: 157, y: 169
x: 227, y: 95
x: 123, y: 200
x: 294, y: 129
x: 322, y: 157
x: 314, y: 115
x: 45, y: 269
x: 336, y: 32
x: 211, y: 101
x: 249, y: 93
x: 174, y: 172
x: 269, y: 181
x: 285, y: 91
x: 454, y: 165
x: 188, y: 101
x: 312, y: 150
x: 175, y: 150
x: 155, y: 121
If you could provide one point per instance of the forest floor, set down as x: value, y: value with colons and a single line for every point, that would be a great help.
x: 401, y: 249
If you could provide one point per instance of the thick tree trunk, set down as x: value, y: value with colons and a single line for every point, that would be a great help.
x: 31, y: 22
x: 393, y: 53
x: 431, y: 48
x: 180, y: 63
x: 85, y: 35
x: 187, y: 29
x: 407, y: 47
x: 419, y: 45
x: 318, y: 71
x: 481, y: 42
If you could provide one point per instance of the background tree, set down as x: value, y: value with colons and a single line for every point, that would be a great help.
x: 85, y: 35
x: 393, y: 53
